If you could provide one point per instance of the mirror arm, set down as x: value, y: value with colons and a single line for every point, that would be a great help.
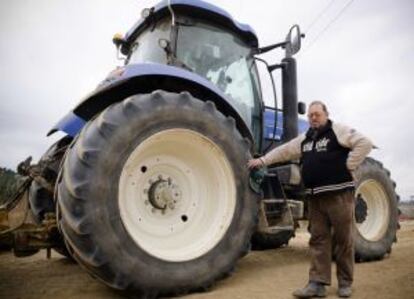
x: 269, y: 48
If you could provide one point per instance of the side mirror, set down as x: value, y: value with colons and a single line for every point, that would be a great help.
x: 301, y: 108
x: 293, y: 42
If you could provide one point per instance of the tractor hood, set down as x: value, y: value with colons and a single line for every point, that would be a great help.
x: 196, y: 9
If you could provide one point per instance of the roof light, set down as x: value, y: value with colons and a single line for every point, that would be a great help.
x: 163, y: 43
x: 118, y: 39
x: 145, y: 13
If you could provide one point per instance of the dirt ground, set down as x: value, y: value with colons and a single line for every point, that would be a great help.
x: 270, y: 274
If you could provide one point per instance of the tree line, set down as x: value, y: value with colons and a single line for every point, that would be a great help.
x: 8, y: 184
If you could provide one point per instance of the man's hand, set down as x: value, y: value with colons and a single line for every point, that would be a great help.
x: 255, y: 163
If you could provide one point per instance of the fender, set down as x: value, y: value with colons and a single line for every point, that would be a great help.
x: 145, y: 78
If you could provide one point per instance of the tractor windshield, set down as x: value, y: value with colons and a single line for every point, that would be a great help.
x: 225, y: 60
x: 215, y: 54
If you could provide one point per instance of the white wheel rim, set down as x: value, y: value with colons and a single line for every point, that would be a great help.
x: 195, y: 182
x: 376, y: 222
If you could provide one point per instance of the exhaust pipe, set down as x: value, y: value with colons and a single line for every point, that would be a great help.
x: 290, y: 99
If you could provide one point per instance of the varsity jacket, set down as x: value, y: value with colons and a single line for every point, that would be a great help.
x: 328, y: 156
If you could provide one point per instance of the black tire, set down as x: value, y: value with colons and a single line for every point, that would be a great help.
x: 265, y: 241
x: 41, y: 200
x: 376, y: 200
x: 88, y: 195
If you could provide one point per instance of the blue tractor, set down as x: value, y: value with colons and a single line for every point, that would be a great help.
x: 149, y: 189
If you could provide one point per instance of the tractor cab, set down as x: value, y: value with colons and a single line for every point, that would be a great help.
x: 208, y: 42
x: 204, y: 40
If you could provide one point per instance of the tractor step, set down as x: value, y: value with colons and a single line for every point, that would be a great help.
x: 279, y: 228
x: 276, y: 217
x: 274, y: 207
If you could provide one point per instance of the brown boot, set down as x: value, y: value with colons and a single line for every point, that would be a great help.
x: 313, y: 289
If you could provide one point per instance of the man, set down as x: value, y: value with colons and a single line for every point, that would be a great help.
x: 329, y: 154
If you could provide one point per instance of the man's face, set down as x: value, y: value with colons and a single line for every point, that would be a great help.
x: 316, y: 116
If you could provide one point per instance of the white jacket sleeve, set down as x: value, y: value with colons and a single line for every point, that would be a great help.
x: 359, y: 144
x: 288, y: 151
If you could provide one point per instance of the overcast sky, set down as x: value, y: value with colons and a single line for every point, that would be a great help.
x: 55, y: 52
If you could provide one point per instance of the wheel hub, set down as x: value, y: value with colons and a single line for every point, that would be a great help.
x: 361, y: 209
x: 163, y: 194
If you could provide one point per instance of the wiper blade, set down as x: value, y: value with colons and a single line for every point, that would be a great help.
x: 181, y: 64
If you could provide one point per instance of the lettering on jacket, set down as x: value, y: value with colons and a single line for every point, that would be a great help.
x: 324, y: 162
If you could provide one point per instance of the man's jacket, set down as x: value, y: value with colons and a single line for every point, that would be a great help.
x: 328, y: 156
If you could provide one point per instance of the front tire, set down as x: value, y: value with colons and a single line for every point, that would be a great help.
x: 154, y: 195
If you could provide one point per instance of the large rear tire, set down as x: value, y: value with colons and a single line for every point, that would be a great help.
x: 376, y: 211
x: 154, y: 196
